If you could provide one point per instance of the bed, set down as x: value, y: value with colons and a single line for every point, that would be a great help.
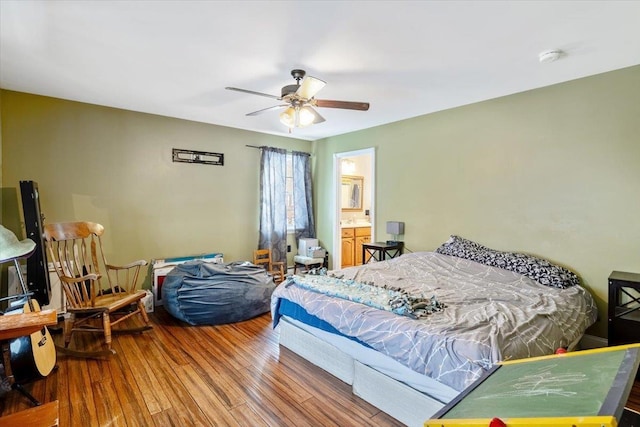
x: 412, y: 332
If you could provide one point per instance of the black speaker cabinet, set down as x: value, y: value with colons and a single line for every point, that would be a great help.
x: 37, y: 268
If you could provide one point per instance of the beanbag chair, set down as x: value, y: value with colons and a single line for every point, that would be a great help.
x: 202, y: 293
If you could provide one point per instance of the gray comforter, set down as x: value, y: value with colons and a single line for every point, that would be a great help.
x: 491, y: 315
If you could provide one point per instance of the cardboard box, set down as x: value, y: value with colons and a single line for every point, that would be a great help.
x: 305, y: 244
x: 316, y: 253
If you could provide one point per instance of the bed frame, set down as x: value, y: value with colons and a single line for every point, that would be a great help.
x: 400, y: 401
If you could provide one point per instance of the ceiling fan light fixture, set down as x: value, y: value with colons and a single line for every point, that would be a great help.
x: 288, y: 117
x: 297, y: 117
x: 305, y: 117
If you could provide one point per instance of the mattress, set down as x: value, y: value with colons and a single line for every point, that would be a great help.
x: 491, y: 315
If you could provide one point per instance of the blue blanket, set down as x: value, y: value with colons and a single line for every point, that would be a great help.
x: 395, y: 300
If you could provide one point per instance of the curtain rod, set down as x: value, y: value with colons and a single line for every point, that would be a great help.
x: 288, y: 151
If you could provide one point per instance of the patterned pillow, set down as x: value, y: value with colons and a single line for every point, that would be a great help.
x: 538, y: 269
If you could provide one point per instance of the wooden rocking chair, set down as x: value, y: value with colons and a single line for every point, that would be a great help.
x: 99, y: 295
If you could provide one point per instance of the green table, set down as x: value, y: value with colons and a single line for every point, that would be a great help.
x: 577, y: 389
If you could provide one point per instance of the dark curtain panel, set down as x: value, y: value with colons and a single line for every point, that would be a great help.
x: 303, y: 196
x: 273, y: 208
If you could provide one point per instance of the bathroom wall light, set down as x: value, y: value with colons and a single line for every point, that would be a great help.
x: 348, y: 167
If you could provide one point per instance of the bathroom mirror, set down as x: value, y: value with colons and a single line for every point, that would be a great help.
x: 352, y: 189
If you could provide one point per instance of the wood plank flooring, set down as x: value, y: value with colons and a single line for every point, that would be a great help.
x: 180, y: 375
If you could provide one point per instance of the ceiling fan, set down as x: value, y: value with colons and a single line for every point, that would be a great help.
x: 299, y: 100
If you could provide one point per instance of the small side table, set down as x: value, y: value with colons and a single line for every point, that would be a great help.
x: 624, y: 308
x: 381, y: 251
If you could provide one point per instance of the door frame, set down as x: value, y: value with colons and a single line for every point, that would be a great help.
x: 337, y: 198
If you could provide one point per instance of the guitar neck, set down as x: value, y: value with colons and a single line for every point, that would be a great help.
x: 25, y: 291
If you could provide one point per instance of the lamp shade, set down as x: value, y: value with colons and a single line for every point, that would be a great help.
x: 12, y: 248
x: 305, y: 117
x: 300, y: 117
x: 288, y: 117
x: 395, y: 227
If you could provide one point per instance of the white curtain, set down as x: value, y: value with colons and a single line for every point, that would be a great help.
x: 273, y: 207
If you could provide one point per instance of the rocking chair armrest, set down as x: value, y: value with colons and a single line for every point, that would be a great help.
x: 86, y: 277
x: 139, y: 263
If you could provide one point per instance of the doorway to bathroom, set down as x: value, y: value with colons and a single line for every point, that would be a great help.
x: 354, y: 215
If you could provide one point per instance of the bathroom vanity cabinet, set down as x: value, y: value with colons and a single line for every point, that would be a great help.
x: 352, y: 240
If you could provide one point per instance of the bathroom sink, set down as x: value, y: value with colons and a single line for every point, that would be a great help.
x: 357, y: 223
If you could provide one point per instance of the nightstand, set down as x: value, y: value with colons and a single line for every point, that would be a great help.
x: 624, y: 308
x: 381, y: 251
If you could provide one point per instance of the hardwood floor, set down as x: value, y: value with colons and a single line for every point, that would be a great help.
x: 634, y: 398
x: 180, y: 375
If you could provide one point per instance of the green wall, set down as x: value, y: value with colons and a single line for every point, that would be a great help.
x: 553, y: 172
x: 115, y: 167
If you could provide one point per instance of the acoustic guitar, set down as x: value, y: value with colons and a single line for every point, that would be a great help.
x: 33, y: 356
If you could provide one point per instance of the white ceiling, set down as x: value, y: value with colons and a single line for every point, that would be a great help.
x: 407, y: 58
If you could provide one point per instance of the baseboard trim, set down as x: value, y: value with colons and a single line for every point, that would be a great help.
x: 591, y: 341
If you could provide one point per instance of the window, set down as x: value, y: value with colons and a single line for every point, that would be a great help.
x: 289, y: 194
x: 285, y: 195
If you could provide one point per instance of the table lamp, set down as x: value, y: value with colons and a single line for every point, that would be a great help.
x: 394, y: 228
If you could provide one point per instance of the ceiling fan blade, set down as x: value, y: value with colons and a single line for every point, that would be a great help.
x: 253, y: 92
x: 317, y: 117
x: 347, y: 105
x: 275, y: 107
x: 309, y: 87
